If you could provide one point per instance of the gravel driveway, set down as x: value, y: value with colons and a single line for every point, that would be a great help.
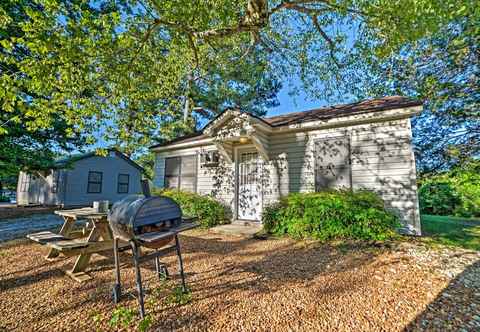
x: 255, y: 285
x: 16, y: 228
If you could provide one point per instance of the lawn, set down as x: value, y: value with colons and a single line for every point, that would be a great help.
x: 452, y: 231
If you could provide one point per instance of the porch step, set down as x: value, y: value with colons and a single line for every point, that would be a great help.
x: 237, y: 229
x: 246, y: 223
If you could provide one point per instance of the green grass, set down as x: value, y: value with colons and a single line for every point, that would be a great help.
x: 453, y: 231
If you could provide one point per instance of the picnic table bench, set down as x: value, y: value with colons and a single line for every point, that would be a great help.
x: 95, y: 237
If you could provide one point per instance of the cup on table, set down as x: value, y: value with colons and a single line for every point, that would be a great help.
x: 101, y: 206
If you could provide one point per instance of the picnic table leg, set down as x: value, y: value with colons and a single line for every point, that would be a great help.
x: 81, y: 263
x: 65, y: 231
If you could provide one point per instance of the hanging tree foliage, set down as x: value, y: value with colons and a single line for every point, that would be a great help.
x: 443, y: 71
x: 130, y: 69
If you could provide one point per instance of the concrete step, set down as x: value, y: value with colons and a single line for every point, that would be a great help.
x: 237, y: 229
x: 246, y: 223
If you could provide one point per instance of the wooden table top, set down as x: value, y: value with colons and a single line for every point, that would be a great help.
x: 83, y: 213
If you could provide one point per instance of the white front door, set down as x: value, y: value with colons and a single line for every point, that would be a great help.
x: 249, y: 195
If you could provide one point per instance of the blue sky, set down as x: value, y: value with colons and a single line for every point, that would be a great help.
x: 297, y: 103
x: 288, y: 104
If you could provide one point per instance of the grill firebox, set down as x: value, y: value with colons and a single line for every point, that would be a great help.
x: 151, y: 222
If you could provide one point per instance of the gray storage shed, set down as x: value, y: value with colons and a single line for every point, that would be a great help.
x: 79, y: 180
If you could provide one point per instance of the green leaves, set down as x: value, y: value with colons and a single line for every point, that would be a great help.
x: 209, y: 211
x: 122, y: 71
x: 331, y: 215
x: 452, y: 193
x: 443, y: 71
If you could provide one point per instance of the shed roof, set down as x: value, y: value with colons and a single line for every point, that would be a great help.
x: 323, y: 113
x: 64, y: 162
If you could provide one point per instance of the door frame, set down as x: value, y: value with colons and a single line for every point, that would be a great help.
x: 237, y: 150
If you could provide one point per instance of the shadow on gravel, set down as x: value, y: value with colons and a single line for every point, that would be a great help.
x: 456, y: 308
x: 243, y: 267
x: 221, y: 272
x: 15, y: 282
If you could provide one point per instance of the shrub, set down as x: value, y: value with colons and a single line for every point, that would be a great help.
x: 4, y: 198
x: 438, y: 198
x: 452, y: 193
x: 122, y: 316
x: 179, y: 296
x: 209, y: 211
x: 331, y: 215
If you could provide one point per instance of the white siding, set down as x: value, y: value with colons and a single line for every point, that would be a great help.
x: 216, y: 181
x: 381, y: 160
x: 38, y: 189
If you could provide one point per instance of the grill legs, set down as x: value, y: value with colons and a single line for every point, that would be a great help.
x: 117, y: 288
x: 160, y: 268
x: 180, y: 263
x: 138, y: 278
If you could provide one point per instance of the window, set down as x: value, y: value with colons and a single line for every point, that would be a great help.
x: 25, y: 181
x: 55, y: 177
x: 332, y: 163
x: 94, y: 182
x: 181, y: 172
x: 122, y: 186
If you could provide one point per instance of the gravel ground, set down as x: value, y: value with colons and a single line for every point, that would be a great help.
x: 15, y: 228
x: 263, y: 285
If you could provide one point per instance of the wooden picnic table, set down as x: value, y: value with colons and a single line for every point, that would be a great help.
x: 95, y: 237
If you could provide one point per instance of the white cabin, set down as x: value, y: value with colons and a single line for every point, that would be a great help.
x: 249, y: 162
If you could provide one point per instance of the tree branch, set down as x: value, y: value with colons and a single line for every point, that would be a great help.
x: 194, y: 48
x: 301, y: 4
x: 330, y: 42
x: 145, y: 38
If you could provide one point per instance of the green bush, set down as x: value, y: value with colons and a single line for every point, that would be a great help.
x: 452, y: 193
x: 438, y: 198
x: 331, y: 215
x: 4, y: 198
x: 209, y: 211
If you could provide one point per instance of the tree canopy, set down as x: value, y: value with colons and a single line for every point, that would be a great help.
x: 443, y: 71
x: 29, y: 135
x: 129, y: 69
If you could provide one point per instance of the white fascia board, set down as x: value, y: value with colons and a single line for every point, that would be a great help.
x: 221, y: 120
x: 180, y: 145
x: 262, y: 125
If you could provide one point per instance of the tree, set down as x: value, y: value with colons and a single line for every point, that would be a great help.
x: 87, y: 65
x: 126, y: 65
x: 442, y: 70
x: 29, y: 137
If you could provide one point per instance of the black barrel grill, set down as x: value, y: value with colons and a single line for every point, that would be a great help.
x: 152, y: 222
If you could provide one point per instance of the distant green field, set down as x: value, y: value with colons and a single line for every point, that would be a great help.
x: 452, y: 231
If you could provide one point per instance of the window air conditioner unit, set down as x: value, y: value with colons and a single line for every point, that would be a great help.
x: 209, y: 159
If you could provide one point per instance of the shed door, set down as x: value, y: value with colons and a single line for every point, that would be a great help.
x: 249, y: 198
x: 34, y: 190
x: 332, y: 163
